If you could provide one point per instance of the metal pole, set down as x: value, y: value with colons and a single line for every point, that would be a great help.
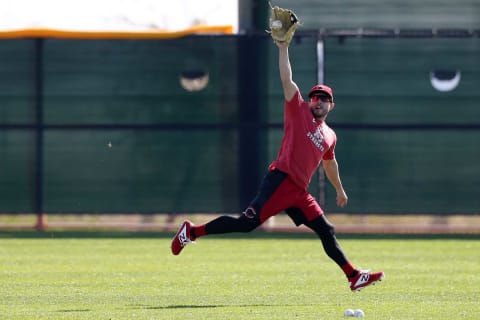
x: 320, y: 78
x: 41, y: 223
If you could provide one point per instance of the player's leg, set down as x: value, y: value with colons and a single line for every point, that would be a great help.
x: 357, y: 278
x: 311, y: 215
x: 268, y: 202
x: 251, y: 218
x: 325, y: 231
x: 188, y: 232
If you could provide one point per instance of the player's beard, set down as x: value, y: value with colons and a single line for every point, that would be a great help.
x: 319, y: 110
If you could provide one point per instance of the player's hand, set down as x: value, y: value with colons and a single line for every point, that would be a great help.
x: 281, y: 44
x: 342, y: 198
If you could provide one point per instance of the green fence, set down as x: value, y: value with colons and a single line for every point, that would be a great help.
x: 104, y: 126
x: 408, y: 147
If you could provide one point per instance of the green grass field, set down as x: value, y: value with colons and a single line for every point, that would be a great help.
x: 264, y: 276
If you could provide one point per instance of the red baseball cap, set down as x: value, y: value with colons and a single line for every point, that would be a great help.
x: 321, y: 88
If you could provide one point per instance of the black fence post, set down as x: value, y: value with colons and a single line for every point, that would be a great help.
x: 249, y: 117
x: 252, y: 86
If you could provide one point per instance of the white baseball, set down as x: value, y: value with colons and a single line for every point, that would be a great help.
x: 276, y: 24
x: 348, y: 313
x: 358, y: 313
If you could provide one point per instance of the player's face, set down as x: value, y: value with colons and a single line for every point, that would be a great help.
x: 320, y: 105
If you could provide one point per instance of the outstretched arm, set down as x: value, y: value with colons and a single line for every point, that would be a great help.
x: 289, y: 87
x: 331, y: 170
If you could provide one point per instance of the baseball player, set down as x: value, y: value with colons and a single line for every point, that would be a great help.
x: 307, y: 142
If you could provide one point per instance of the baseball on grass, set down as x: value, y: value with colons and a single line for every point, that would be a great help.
x: 358, y: 313
x: 348, y: 313
x: 276, y: 24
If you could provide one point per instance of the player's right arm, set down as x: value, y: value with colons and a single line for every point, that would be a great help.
x: 289, y: 87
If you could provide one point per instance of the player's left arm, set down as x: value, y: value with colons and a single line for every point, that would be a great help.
x: 332, y: 172
x: 289, y: 87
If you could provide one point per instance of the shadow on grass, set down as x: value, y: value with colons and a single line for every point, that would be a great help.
x: 211, y: 306
x: 253, y: 235
x: 180, y: 307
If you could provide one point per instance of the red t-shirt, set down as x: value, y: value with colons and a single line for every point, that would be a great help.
x: 305, y: 142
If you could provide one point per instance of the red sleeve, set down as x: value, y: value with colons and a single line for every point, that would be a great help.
x: 295, y: 101
x: 330, y: 153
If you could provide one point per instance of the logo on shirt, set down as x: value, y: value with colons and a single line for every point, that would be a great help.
x: 317, y: 138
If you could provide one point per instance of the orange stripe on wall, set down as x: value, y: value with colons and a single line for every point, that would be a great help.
x: 154, y: 34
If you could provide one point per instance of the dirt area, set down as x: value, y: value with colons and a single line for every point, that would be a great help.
x: 344, y: 223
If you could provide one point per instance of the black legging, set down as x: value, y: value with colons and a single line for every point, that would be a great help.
x: 321, y: 226
x: 326, y: 232
x: 227, y: 224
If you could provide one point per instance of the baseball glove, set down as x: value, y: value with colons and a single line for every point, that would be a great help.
x: 283, y: 23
